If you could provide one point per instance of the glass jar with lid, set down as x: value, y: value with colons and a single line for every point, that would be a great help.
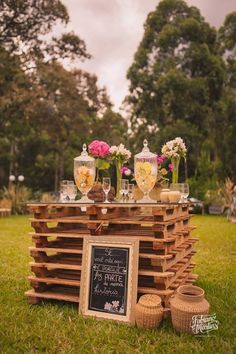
x: 84, y: 174
x: 145, y: 171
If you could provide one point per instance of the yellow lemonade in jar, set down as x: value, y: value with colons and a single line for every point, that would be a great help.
x: 84, y: 179
x: 145, y: 176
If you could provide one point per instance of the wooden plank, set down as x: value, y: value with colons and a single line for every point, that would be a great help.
x: 151, y: 273
x: 52, y: 296
x: 67, y: 219
x: 120, y: 221
x: 55, y: 265
x: 74, y: 235
x: 155, y: 256
x: 104, y: 205
x: 148, y: 290
x: 55, y: 249
x: 59, y: 234
x: 59, y: 281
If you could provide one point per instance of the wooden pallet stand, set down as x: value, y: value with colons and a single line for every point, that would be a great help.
x: 165, y: 252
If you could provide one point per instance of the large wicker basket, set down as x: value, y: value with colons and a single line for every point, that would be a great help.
x: 148, y: 311
x: 187, y: 302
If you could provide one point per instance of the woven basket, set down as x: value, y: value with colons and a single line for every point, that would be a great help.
x: 148, y: 311
x: 188, y: 301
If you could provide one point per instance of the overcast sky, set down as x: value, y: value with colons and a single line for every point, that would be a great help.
x: 112, y: 30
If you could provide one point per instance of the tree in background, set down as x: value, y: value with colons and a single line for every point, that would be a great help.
x: 227, y: 106
x: 74, y: 106
x: 46, y: 111
x: 24, y: 46
x: 179, y: 84
x: 15, y: 95
x: 25, y: 28
x: 178, y: 80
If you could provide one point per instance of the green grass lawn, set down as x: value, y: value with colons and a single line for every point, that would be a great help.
x: 57, y: 328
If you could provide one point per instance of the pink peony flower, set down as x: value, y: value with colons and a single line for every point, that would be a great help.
x: 99, y: 148
x: 170, y: 166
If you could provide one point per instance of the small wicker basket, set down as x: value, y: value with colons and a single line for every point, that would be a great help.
x: 148, y: 311
x: 188, y: 301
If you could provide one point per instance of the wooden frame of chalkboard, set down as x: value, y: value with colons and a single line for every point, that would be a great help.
x: 109, y: 277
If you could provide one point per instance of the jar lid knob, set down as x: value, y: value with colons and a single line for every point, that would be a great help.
x: 145, y: 146
x: 84, y: 152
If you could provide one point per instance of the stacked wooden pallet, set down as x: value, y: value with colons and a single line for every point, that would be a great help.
x: 166, y: 246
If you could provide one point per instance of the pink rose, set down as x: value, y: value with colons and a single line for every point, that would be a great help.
x: 160, y: 159
x: 99, y: 148
x: 170, y: 166
x: 126, y: 171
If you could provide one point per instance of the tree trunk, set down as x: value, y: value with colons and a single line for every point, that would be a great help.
x: 56, y: 177
x: 13, y: 163
x: 61, y: 164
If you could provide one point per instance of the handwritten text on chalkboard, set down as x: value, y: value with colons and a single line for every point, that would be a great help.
x: 109, y: 279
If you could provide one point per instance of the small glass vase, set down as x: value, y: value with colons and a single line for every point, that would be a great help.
x: 118, y: 180
x: 175, y: 169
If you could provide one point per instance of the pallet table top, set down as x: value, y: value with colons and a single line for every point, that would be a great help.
x: 107, y: 205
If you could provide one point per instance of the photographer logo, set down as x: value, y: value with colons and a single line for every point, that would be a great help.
x: 203, y: 324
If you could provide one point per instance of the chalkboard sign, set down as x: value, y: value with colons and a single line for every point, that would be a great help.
x: 109, y: 277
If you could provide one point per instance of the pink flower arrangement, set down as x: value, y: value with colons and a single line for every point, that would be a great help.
x: 99, y: 148
x: 170, y: 166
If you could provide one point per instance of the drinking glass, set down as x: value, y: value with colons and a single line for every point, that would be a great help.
x: 63, y: 191
x: 121, y: 192
x: 125, y: 188
x: 131, y: 192
x: 183, y: 188
x: 106, y: 186
x: 71, y: 191
x: 185, y: 192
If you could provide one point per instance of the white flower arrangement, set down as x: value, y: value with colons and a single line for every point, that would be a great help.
x: 174, y: 148
x: 120, y: 153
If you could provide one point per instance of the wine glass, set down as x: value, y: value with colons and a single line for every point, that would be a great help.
x: 131, y: 192
x: 121, y: 192
x: 106, y: 186
x: 71, y: 191
x: 63, y: 190
x: 185, y: 192
x: 125, y: 187
x: 183, y: 188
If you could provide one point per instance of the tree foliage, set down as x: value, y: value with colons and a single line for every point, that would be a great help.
x: 25, y: 27
x: 46, y: 111
x: 181, y: 82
